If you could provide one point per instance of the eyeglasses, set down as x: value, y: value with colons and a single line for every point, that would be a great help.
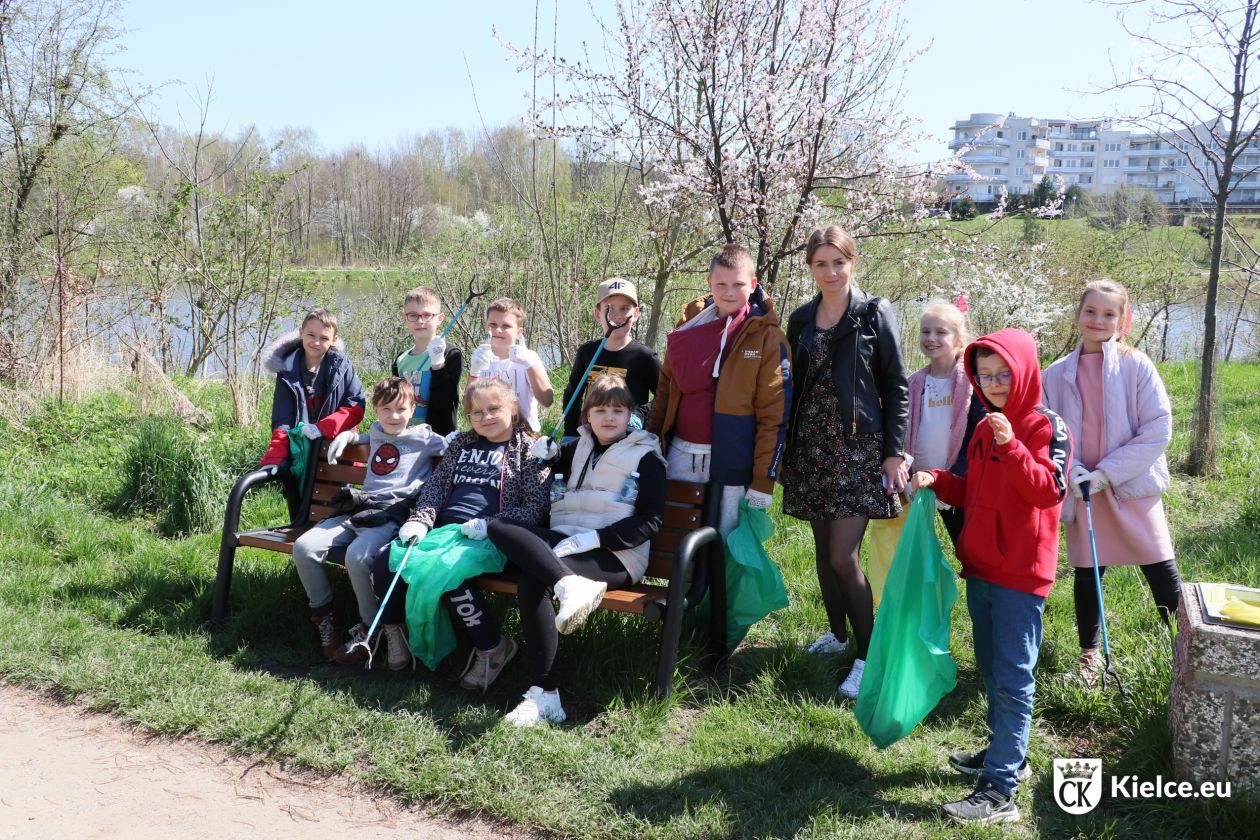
x: 987, y: 381
x: 478, y: 416
x: 426, y: 317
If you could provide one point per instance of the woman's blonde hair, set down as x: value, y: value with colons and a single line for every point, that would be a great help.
x: 955, y: 317
x: 500, y: 388
x: 607, y: 389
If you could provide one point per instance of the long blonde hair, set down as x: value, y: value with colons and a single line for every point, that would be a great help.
x: 955, y: 317
x: 1107, y: 286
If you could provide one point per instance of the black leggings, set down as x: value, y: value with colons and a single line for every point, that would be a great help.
x: 845, y: 591
x: 1165, y: 586
x: 529, y: 549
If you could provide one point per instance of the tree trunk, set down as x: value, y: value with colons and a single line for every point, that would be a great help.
x: 1201, y: 459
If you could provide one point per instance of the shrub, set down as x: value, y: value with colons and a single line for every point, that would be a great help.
x: 172, y: 473
x: 963, y: 208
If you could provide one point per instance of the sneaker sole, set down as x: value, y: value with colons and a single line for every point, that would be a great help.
x: 577, y: 618
x: 1002, y: 817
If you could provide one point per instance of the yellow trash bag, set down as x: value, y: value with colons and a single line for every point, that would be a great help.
x: 882, y: 536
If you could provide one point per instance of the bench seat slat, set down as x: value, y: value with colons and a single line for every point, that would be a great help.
x: 634, y: 599
x: 272, y: 539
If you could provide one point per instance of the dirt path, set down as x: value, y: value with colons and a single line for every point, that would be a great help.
x: 70, y: 773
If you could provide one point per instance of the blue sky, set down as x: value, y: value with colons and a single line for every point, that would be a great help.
x: 376, y: 71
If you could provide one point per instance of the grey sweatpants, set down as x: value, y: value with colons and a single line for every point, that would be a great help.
x: 689, y: 461
x: 311, y: 550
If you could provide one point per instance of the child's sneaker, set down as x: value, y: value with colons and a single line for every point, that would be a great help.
x: 538, y: 707
x: 327, y: 629
x: 983, y: 806
x: 972, y: 763
x: 827, y: 643
x: 484, y: 666
x: 853, y: 682
x: 359, y: 650
x: 397, y: 654
x: 578, y: 597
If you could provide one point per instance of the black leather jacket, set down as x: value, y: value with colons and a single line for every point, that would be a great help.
x: 866, y: 368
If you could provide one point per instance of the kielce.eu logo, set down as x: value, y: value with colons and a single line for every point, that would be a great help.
x: 1077, y: 784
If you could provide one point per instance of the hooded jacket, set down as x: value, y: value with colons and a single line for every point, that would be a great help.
x: 1137, y: 420
x: 1012, y: 492
x: 866, y: 367
x: 338, y: 393
x: 754, y: 393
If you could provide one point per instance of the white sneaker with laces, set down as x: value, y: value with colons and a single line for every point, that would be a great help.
x: 853, y: 682
x: 827, y: 643
x: 397, y: 654
x: 538, y: 707
x: 578, y: 597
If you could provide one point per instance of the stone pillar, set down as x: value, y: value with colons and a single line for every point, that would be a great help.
x: 1214, y: 707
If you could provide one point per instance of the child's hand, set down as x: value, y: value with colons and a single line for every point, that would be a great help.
x: 481, y: 359
x: 311, y: 432
x: 339, y: 444
x: 544, y: 449
x: 1001, y: 426
x: 412, y: 530
x: 437, y: 352
x: 474, y: 529
x: 521, y: 355
x: 577, y: 544
x: 758, y: 500
x: 920, y: 480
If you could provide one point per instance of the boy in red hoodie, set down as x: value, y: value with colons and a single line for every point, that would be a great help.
x: 1016, y: 478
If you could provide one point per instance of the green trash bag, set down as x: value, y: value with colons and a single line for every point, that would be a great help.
x: 299, y: 450
x: 754, y: 586
x: 440, y: 562
x: 908, y: 668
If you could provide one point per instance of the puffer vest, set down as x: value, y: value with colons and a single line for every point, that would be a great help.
x: 593, y: 498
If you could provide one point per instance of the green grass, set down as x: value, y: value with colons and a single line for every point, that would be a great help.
x: 97, y: 608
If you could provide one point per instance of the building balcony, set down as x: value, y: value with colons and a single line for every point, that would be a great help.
x: 1077, y: 153
x: 973, y: 158
x: 1164, y: 152
x: 1146, y: 167
x: 1039, y: 143
x: 958, y: 178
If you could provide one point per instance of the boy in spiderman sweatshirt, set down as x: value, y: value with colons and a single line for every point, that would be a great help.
x: 1016, y: 478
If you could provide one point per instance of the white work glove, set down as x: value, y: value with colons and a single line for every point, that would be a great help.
x: 339, y: 444
x: 311, y: 432
x: 544, y: 449
x: 474, y: 529
x: 757, y: 499
x: 1097, y: 481
x: 412, y: 529
x: 449, y: 437
x: 577, y: 544
x: 437, y: 352
x: 1076, y: 475
x: 481, y: 359
x: 522, y: 356
x: 271, y: 469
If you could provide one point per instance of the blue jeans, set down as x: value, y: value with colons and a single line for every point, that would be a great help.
x: 1006, y: 627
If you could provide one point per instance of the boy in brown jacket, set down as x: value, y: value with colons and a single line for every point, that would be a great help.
x: 727, y: 379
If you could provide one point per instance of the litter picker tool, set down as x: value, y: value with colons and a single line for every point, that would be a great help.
x: 473, y: 294
x: 365, y: 642
x: 1108, y: 671
x: 609, y: 329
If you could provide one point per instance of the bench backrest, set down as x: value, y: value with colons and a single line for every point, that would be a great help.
x: 684, y: 508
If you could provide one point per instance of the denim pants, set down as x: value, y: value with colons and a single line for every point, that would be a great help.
x: 1006, y: 629
x: 311, y: 550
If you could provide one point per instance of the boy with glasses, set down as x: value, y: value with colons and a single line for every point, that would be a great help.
x: 430, y: 366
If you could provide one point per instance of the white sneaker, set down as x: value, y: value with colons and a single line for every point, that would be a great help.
x: 397, y: 655
x: 538, y: 707
x: 827, y: 643
x: 578, y: 597
x: 853, y: 682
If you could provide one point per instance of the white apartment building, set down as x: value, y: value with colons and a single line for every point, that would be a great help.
x: 1015, y: 152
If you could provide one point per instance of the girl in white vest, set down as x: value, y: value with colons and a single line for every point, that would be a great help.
x: 608, y: 499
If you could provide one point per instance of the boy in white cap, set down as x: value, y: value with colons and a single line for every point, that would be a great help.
x: 616, y: 301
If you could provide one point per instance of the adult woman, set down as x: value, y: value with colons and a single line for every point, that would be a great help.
x: 849, y: 415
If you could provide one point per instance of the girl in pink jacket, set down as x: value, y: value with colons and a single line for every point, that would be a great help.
x: 1114, y: 402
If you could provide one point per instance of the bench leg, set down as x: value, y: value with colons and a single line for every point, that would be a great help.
x: 223, y: 581
x: 671, y: 633
x: 717, y: 607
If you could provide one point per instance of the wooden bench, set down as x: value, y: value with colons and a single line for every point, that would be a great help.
x: 685, y: 562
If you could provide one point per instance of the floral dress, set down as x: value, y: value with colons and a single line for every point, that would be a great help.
x: 826, y: 473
